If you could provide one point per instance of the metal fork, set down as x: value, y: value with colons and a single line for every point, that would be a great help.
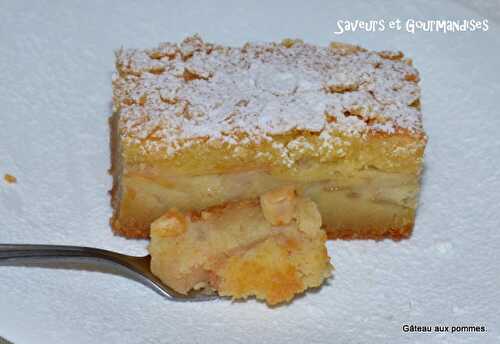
x: 137, y: 268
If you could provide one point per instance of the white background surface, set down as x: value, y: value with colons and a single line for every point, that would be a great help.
x: 56, y: 60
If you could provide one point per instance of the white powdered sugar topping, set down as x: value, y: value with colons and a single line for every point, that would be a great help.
x: 169, y: 96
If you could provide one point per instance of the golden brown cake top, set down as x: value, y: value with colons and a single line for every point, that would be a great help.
x: 178, y: 95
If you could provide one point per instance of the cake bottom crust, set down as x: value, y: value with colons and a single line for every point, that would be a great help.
x: 367, y: 205
x: 366, y: 233
x: 370, y: 233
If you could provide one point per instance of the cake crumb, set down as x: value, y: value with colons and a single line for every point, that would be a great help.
x: 9, y: 178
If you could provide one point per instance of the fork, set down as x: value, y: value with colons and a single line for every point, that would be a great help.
x: 137, y: 268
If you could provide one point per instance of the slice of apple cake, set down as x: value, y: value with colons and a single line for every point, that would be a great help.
x: 197, y: 125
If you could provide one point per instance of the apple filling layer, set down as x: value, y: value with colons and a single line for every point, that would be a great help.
x: 367, y: 204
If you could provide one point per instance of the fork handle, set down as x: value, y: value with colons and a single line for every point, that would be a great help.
x: 135, y: 267
x: 22, y: 251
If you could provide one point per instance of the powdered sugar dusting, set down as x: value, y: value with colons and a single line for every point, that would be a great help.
x: 170, y: 96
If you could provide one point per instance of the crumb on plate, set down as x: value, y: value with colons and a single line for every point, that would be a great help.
x: 9, y: 178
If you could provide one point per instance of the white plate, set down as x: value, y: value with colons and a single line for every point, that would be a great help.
x: 56, y: 61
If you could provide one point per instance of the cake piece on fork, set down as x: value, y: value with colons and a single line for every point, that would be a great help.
x: 272, y: 249
x: 197, y: 125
